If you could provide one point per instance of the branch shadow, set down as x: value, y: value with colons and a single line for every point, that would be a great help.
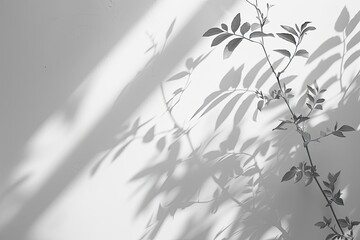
x: 211, y: 180
x: 102, y: 138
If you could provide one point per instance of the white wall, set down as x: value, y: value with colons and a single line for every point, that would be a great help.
x: 75, y: 76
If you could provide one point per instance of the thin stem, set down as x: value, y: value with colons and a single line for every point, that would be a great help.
x: 321, y: 189
x: 292, y: 57
x: 271, y: 66
x: 318, y: 138
x: 292, y: 113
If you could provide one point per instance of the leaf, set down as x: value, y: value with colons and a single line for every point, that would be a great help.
x: 177, y: 91
x: 253, y: 72
x: 219, y: 39
x: 298, y: 177
x: 346, y: 128
x: 308, y: 181
x: 320, y: 100
x: 227, y: 110
x: 320, y: 224
x: 254, y: 26
x: 235, y: 24
x: 230, y: 47
x: 352, y: 24
x: 160, y: 145
x: 309, y: 106
x: 308, y: 29
x: 324, y: 47
x: 311, y: 89
x: 288, y: 37
x: 224, y: 26
x: 207, y: 100
x: 212, y: 31
x: 216, y: 102
x: 178, y: 76
x: 311, y: 98
x: 284, y: 52
x: 161, y: 214
x: 316, y: 86
x: 319, y: 107
x: 336, y: 176
x: 327, y: 184
x: 352, y: 58
x: 260, y: 34
x: 342, y: 20
x: 289, y: 29
x: 260, y: 105
x: 169, y: 31
x: 338, y: 134
x: 303, y: 26
x: 354, y: 223
x: 190, y: 63
x: 243, y: 109
x: 353, y: 41
x: 289, y: 175
x: 331, y: 235
x: 302, y: 53
x: 245, y: 28
x: 339, y: 201
x: 149, y: 136
x: 328, y: 193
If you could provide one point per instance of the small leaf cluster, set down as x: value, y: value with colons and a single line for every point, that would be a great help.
x: 298, y: 172
x: 327, y: 223
x: 346, y: 223
x: 323, y: 224
x: 312, y: 95
x: 294, y: 36
x: 264, y: 99
x: 238, y: 29
x: 330, y: 191
x: 274, y: 95
x: 339, y: 131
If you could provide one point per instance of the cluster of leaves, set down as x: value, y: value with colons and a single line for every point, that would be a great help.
x: 294, y: 36
x: 327, y: 223
x: 339, y: 132
x: 312, y: 95
x: 344, y: 223
x: 330, y: 191
x: 298, y: 172
x: 239, y: 31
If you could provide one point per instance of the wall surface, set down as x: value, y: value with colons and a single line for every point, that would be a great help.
x: 89, y: 148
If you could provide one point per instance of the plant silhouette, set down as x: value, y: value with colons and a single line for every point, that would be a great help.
x: 221, y: 172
